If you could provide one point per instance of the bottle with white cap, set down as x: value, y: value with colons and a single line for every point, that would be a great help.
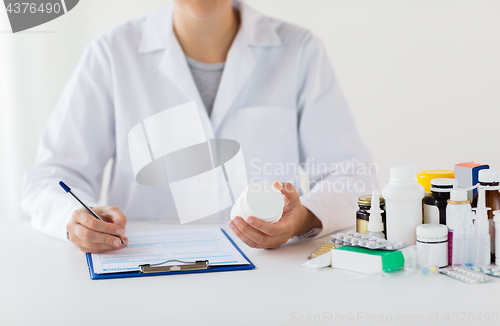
x: 375, y: 226
x: 483, y: 252
x: 435, y: 203
x: 403, y: 205
x: 458, y: 208
x: 434, y: 236
x: 490, y: 180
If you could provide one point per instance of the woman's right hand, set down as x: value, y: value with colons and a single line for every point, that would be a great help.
x: 91, y: 235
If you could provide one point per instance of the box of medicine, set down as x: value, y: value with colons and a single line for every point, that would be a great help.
x: 467, y: 175
x: 364, y: 260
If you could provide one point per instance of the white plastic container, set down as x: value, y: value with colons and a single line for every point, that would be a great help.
x: 482, y: 225
x: 458, y: 209
x: 403, y: 205
x: 470, y: 241
x: 435, y: 236
x: 375, y: 226
x: 261, y: 200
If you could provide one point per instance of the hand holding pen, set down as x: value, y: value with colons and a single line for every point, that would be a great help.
x: 97, y: 229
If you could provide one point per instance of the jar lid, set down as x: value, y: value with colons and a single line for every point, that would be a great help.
x: 432, y: 232
x: 489, y: 175
x: 444, y: 182
x: 366, y: 200
x: 265, y: 201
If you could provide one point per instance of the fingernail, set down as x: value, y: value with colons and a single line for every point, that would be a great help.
x: 116, y: 243
x: 231, y: 225
x: 236, y: 221
x: 249, y: 221
x: 118, y: 231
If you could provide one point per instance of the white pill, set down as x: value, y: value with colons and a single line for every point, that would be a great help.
x: 381, y: 241
x: 347, y: 238
x: 362, y: 242
x: 371, y: 244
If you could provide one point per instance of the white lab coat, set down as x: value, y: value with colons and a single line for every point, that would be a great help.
x: 278, y: 98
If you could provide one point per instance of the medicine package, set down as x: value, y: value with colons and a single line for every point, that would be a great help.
x: 465, y: 275
x: 365, y: 241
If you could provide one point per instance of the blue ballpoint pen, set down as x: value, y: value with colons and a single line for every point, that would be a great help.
x: 68, y: 190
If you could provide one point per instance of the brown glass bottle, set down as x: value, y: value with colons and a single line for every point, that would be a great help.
x: 362, y: 215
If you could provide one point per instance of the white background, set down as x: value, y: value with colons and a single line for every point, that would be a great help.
x: 422, y: 77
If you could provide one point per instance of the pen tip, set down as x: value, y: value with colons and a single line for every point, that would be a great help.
x: 64, y: 186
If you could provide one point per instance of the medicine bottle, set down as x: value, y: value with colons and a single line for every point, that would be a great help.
x: 403, y: 205
x: 362, y: 215
x: 261, y: 200
x: 490, y: 179
x: 458, y: 210
x: 434, y: 235
x: 435, y: 203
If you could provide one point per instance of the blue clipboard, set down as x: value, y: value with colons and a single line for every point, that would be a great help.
x: 227, y: 268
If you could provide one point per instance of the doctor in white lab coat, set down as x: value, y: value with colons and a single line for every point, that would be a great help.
x: 277, y: 96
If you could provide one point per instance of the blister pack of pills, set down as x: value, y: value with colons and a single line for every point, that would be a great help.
x: 488, y: 271
x: 465, y: 275
x: 365, y: 241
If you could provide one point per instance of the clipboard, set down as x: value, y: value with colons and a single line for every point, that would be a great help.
x: 202, y: 266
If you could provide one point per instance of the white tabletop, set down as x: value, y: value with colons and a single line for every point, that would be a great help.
x: 46, y: 282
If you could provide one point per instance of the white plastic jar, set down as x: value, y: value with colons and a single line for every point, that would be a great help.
x: 403, y: 205
x: 436, y: 236
x: 261, y: 200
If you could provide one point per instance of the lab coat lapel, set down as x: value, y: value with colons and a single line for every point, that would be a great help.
x: 239, y: 66
x: 175, y: 67
x: 255, y: 30
x: 158, y: 35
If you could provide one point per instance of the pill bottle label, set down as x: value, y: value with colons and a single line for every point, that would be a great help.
x: 450, y: 246
x: 431, y: 214
x: 361, y: 226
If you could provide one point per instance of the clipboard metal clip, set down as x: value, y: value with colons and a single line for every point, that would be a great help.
x: 186, y: 266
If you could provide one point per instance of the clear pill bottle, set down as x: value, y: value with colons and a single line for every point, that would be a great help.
x: 261, y: 200
x: 435, y: 236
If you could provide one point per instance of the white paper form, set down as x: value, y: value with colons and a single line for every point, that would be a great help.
x: 157, y: 246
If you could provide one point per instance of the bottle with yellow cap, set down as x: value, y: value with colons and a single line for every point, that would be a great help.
x: 425, y: 177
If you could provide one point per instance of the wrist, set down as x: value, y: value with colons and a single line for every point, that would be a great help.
x: 309, y: 222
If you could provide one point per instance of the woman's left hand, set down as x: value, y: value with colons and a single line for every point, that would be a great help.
x: 296, y: 220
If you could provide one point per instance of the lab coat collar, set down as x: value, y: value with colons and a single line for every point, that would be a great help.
x: 255, y: 30
x: 158, y: 28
